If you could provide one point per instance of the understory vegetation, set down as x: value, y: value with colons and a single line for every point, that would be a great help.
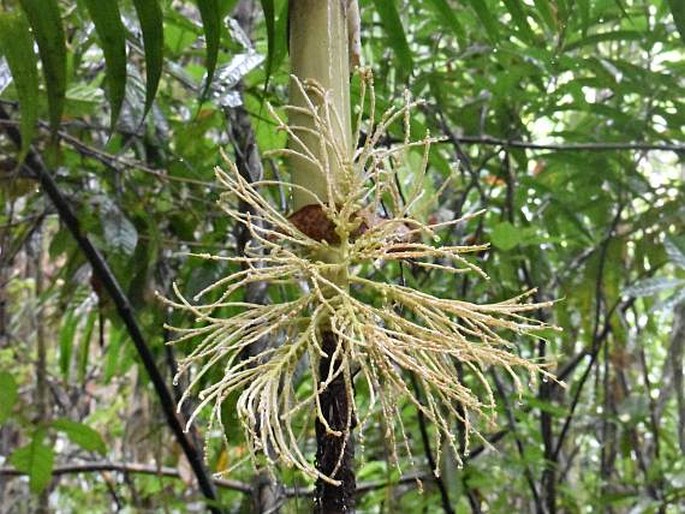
x: 495, y: 284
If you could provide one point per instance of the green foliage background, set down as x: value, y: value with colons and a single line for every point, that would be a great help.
x: 563, y: 119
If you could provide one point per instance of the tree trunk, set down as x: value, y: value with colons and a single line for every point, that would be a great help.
x: 319, y: 52
x: 334, y: 454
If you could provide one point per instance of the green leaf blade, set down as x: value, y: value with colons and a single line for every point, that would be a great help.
x: 10, y: 393
x: 36, y: 460
x: 506, y: 236
x: 449, y: 19
x: 120, y: 232
x: 390, y: 19
x: 46, y: 22
x: 270, y: 21
x: 678, y: 12
x: 675, y: 254
x: 82, y: 435
x: 545, y: 12
x: 486, y: 18
x: 67, y: 334
x: 150, y: 16
x: 17, y: 45
x: 518, y: 14
x: 652, y: 286
x: 84, y: 347
x: 276, y: 35
x: 211, y: 23
x: 110, y: 30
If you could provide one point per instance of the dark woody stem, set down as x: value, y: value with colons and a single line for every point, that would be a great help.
x: 334, y: 453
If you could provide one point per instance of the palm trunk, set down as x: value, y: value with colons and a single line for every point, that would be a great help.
x: 334, y: 454
x: 319, y: 52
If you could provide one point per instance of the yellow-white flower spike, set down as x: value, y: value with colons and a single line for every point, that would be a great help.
x: 385, y: 331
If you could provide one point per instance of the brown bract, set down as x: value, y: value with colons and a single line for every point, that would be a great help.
x: 312, y: 221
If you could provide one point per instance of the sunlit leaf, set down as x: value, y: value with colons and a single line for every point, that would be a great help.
x: 518, y: 14
x: 505, y: 236
x: 17, y: 45
x: 675, y: 254
x: 545, y: 12
x: 36, y: 460
x: 672, y: 301
x: 652, y: 286
x: 84, y: 436
x: 110, y: 30
x: 150, y: 16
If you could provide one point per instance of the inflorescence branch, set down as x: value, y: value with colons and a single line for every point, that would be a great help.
x: 385, y: 331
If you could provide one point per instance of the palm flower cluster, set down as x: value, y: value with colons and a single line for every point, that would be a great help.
x: 331, y: 252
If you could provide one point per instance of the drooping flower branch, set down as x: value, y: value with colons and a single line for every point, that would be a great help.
x: 385, y: 331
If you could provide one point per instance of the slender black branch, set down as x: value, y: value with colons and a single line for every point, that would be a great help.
x: 549, y: 472
x: 104, y: 274
x: 511, y: 420
x: 456, y: 140
x: 115, y: 162
x: 233, y: 485
x: 569, y: 147
x: 444, y: 495
x: 129, y: 467
x: 598, y: 335
x: 472, y: 494
x: 596, y: 146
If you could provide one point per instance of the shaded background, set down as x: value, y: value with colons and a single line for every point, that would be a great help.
x: 563, y: 119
